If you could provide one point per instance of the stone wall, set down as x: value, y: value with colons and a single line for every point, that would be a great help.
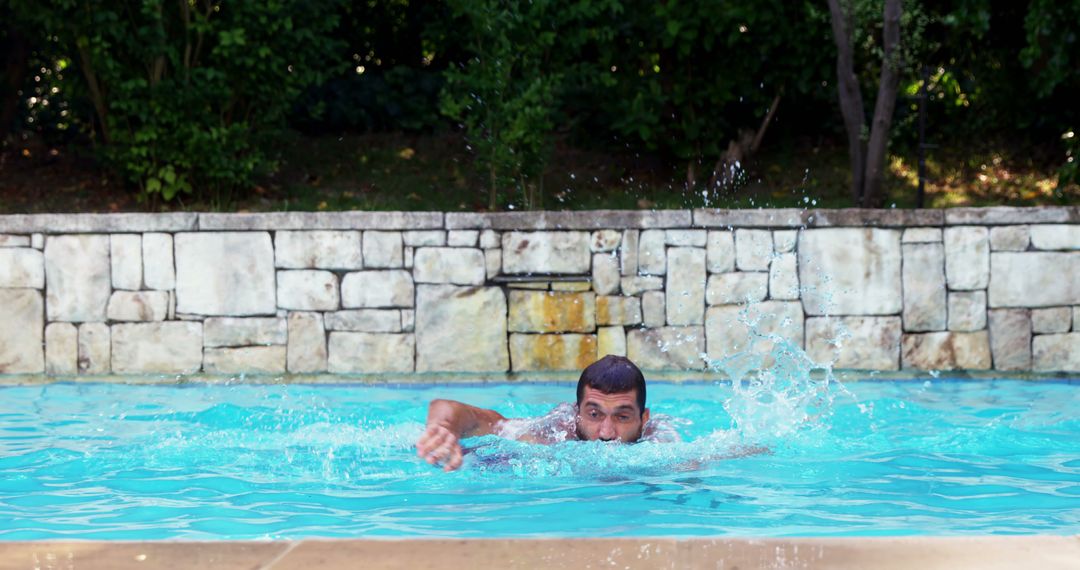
x: 374, y: 292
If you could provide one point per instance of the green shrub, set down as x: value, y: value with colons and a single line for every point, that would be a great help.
x: 186, y: 93
x: 508, y: 94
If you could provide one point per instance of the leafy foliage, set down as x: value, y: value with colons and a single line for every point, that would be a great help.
x: 187, y: 97
x: 507, y: 94
x: 186, y: 92
x: 683, y: 78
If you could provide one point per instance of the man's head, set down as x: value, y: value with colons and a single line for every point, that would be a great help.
x: 611, y: 401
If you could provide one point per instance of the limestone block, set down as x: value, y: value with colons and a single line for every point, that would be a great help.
x: 586, y: 219
x: 610, y: 340
x: 171, y: 347
x: 410, y: 253
x: 408, y: 320
x: 461, y: 329
x: 967, y: 257
x: 549, y: 311
x: 364, y: 320
x: 462, y: 238
x: 306, y: 349
x: 967, y: 310
x: 753, y: 249
x: 628, y: 252
x: 1052, y: 320
x: 22, y: 268
x: 492, y: 262
x: 94, y: 348
x: 230, y: 331
x: 573, y: 286
x: 651, y: 250
x: 489, y: 239
x: 227, y: 274
x: 925, y: 302
x: 530, y: 285
x: 1001, y: 215
x: 421, y: 238
x: 618, y: 310
x: 1010, y: 338
x: 383, y: 250
x: 603, y: 241
x: 457, y: 265
x: 245, y: 360
x: 77, y: 281
x: 307, y: 290
x: 1034, y: 279
x: 732, y: 329
x: 159, y: 269
x: 320, y: 249
x: 1076, y: 319
x: 546, y: 252
x: 551, y: 351
x: 736, y: 287
x: 1057, y: 352
x: 921, y: 235
x: 1056, y: 236
x: 377, y: 289
x: 784, y: 240
x: 759, y: 218
x: 685, y: 238
x: 667, y: 348
x: 784, y: 277
x: 863, y: 343
x: 720, y: 252
x: 367, y: 353
x: 685, y: 291
x: 850, y: 271
x: 1009, y: 238
x: 605, y: 273
x: 9, y: 240
x: 126, y: 261
x: 21, y: 328
x: 61, y: 349
x: 946, y: 351
x: 653, y: 312
x: 138, y: 306
x: 123, y: 222
x: 37, y: 241
x: 639, y: 284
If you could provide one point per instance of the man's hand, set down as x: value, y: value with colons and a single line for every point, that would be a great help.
x: 438, y: 445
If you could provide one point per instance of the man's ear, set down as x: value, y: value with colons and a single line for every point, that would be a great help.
x: 645, y: 416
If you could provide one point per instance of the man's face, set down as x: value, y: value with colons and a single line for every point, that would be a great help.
x: 610, y: 417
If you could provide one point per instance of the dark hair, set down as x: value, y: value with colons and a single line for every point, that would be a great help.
x: 613, y: 375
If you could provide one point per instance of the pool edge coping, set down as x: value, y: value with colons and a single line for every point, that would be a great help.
x: 1047, y: 552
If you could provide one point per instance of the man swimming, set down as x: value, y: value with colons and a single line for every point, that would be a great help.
x: 610, y: 407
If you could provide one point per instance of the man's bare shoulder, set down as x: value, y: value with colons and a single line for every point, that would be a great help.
x: 552, y: 427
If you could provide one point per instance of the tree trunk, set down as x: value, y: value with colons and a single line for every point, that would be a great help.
x: 851, y: 103
x: 873, y: 197
x: 97, y: 97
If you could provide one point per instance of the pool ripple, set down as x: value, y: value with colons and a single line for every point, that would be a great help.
x: 191, y: 462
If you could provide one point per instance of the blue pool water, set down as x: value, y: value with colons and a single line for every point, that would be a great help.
x: 102, y: 461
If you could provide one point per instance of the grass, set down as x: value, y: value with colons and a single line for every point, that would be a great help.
x: 435, y: 172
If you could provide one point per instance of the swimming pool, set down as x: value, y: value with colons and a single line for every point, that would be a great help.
x: 244, y: 461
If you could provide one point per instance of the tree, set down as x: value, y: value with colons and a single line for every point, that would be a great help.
x: 867, y: 145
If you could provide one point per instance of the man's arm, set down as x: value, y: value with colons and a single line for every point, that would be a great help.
x: 448, y: 422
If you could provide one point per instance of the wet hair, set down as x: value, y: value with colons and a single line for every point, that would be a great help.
x: 613, y: 375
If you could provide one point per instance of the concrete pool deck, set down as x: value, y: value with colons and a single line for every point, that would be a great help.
x: 985, y: 552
